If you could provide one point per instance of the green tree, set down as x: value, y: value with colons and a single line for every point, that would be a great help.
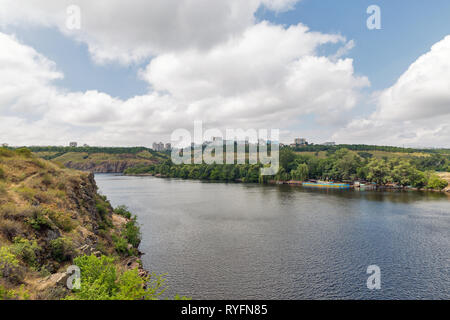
x: 301, y: 173
x: 378, y: 171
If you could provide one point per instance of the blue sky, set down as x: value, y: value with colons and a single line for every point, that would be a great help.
x: 409, y: 29
x: 168, y: 63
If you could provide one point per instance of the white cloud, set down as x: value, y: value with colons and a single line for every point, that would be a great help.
x: 268, y: 76
x: 129, y: 31
x: 415, y: 110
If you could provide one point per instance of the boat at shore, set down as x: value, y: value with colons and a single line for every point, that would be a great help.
x: 326, y: 184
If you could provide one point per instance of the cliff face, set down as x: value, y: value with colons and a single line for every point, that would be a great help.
x: 48, y: 216
x: 114, y: 166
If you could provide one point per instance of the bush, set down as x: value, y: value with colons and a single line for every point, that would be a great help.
x: 26, y: 193
x: 24, y: 152
x: 10, y: 229
x: 2, y: 174
x: 102, y: 280
x: 133, y: 233
x: 47, y: 180
x: 5, y: 152
x: 121, y: 245
x: 435, y: 182
x: 20, y: 294
x: 26, y: 250
x: 62, y: 220
x: 38, y: 221
x: 61, y: 249
x: 123, y: 211
x: 9, y: 264
x: 9, y: 211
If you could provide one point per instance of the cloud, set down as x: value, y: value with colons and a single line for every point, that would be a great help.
x: 415, y: 110
x: 134, y: 30
x: 268, y: 76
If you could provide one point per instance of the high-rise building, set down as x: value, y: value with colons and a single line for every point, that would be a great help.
x: 300, y: 141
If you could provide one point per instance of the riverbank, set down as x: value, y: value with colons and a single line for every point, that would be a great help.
x: 389, y: 187
x: 52, y: 218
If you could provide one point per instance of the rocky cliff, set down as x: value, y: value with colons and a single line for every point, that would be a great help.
x: 48, y: 216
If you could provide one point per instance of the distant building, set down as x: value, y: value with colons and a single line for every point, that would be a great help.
x: 5, y: 145
x: 168, y: 146
x: 330, y: 143
x: 158, y: 146
x: 73, y: 144
x: 85, y: 145
x: 300, y: 142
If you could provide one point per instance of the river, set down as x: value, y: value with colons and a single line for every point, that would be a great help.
x: 250, y: 241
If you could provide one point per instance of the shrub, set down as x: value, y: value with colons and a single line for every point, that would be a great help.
x: 123, y: 211
x: 24, y: 152
x: 9, y: 264
x: 121, y: 245
x: 435, y: 182
x: 20, y: 294
x: 38, y: 221
x: 10, y: 229
x: 101, y: 280
x: 5, y: 152
x: 11, y: 212
x: 2, y: 174
x: 133, y: 232
x: 3, y: 189
x: 47, y: 180
x: 26, y: 193
x: 62, y: 220
x: 26, y: 250
x: 61, y: 249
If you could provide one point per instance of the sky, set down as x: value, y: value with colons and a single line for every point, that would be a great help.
x: 135, y: 71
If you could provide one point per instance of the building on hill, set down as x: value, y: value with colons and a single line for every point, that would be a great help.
x: 5, y: 145
x: 73, y: 144
x: 300, y: 142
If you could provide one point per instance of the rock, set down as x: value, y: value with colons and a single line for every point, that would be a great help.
x: 52, y: 234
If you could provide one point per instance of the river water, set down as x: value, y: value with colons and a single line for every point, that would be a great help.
x: 250, y: 241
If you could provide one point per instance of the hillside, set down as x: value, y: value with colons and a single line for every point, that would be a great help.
x: 100, y: 159
x: 52, y: 217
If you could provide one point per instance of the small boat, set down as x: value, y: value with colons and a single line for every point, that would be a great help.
x: 326, y: 184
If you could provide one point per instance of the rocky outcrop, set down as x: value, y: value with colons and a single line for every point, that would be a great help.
x: 114, y: 166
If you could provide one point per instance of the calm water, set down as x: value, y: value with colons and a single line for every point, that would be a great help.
x: 237, y: 241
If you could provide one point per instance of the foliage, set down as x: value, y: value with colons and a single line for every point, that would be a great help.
x: 8, y: 262
x: 62, y: 220
x: 10, y: 228
x: 20, y: 294
x: 26, y: 250
x: 436, y: 183
x: 101, y: 280
x: 123, y: 211
x: 133, y: 232
x: 38, y: 220
x: 341, y: 164
x: 61, y: 249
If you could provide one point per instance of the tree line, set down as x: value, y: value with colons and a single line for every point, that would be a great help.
x: 341, y: 165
